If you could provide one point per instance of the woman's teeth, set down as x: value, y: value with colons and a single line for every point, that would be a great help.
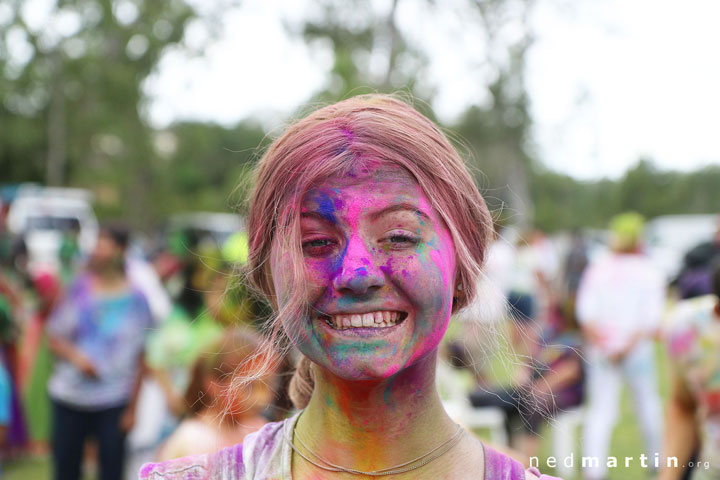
x: 379, y: 319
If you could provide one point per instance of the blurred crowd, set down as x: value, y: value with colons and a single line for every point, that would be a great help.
x: 122, y: 355
x: 583, y: 319
x: 126, y: 353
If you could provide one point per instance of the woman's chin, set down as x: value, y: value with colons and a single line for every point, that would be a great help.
x: 363, y: 371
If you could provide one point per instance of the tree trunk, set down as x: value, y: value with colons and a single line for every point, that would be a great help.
x: 57, y: 130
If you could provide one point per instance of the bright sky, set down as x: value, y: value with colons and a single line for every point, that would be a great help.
x: 609, y: 81
x: 615, y: 80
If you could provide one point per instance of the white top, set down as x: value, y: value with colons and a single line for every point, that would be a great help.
x: 621, y: 295
x: 536, y: 258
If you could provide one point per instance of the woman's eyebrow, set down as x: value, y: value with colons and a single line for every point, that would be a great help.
x: 317, y: 215
x: 398, y: 207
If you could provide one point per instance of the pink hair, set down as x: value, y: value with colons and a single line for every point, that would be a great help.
x: 332, y: 141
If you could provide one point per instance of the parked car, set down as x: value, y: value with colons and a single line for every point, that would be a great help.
x: 212, y: 227
x: 670, y: 237
x: 43, y: 215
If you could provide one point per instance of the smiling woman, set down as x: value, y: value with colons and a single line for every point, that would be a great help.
x: 366, y: 233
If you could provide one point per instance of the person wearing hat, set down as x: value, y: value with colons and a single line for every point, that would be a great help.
x: 619, y: 307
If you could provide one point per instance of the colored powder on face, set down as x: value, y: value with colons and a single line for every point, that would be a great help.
x: 343, y: 351
x: 325, y: 207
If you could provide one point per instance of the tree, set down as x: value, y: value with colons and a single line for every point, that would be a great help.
x: 207, y: 161
x: 498, y: 129
x: 371, y: 53
x: 73, y: 95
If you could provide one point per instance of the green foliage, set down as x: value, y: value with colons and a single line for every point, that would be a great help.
x: 562, y: 202
x: 357, y: 35
x: 73, y: 103
x: 208, y: 162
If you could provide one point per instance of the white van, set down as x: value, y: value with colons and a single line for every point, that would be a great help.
x: 670, y: 237
x: 42, y: 215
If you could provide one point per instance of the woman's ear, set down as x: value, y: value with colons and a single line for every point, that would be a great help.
x: 458, y: 297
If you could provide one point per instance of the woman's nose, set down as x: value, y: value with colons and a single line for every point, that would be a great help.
x: 358, y: 273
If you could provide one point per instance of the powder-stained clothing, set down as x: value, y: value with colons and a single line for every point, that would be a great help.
x: 694, y: 342
x: 620, y: 295
x: 265, y: 455
x: 110, y: 330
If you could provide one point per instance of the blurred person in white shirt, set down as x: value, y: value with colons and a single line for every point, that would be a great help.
x: 619, y: 306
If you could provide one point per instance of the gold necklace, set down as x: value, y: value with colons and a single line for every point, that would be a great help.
x: 433, y: 454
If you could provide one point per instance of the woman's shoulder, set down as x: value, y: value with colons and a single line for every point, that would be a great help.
x: 499, y: 465
x: 533, y: 474
x: 258, y: 452
x: 191, y: 437
x: 228, y: 463
x: 187, y: 468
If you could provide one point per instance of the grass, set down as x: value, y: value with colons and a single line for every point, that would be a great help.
x: 30, y: 469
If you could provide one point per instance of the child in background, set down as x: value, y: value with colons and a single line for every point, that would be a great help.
x: 5, y: 407
x: 218, y: 414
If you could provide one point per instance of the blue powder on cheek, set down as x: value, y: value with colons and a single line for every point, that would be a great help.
x: 337, y: 262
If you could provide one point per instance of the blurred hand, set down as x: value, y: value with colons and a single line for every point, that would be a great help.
x: 176, y: 404
x: 618, y: 356
x: 127, y: 420
x: 592, y: 334
x: 85, y: 365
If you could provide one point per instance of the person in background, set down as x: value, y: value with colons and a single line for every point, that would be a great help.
x: 531, y: 295
x: 554, y: 383
x: 219, y: 415
x: 11, y: 317
x: 619, y: 307
x: 97, y: 334
x: 69, y: 254
x: 5, y: 407
x: 693, y: 414
x: 575, y: 263
x: 37, y: 361
x: 694, y: 279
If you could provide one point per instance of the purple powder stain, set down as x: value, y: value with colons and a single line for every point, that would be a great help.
x: 325, y: 206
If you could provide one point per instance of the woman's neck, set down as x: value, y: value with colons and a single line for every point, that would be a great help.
x: 368, y: 425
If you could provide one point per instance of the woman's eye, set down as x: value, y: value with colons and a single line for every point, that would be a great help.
x: 318, y: 246
x: 401, y: 240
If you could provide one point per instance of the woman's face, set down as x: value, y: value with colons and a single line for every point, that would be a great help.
x: 380, y: 270
x: 107, y: 253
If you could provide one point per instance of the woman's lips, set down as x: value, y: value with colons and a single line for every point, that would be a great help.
x: 373, y: 319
